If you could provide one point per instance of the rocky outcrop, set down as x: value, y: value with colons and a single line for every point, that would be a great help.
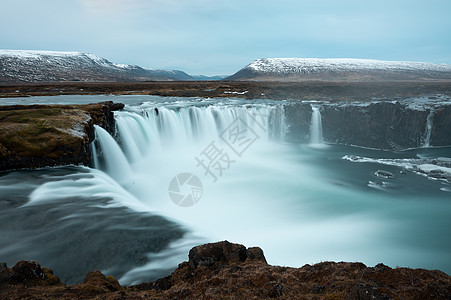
x: 382, y: 125
x: 224, y: 270
x: 34, y: 136
x: 441, y: 126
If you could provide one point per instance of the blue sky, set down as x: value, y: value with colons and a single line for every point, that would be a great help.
x: 220, y: 37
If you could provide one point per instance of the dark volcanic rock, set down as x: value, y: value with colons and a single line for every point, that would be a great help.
x: 380, y: 125
x: 28, y: 273
x: 298, y: 117
x: 383, y: 125
x: 221, y: 253
x: 441, y: 126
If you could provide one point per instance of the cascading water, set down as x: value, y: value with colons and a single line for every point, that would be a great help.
x: 298, y: 204
x: 115, y: 163
x: 316, y: 127
x: 427, y: 139
x: 149, y: 131
x: 255, y: 182
x: 158, y: 144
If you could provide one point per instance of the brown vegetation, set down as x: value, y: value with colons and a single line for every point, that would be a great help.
x: 231, y: 271
x: 317, y: 90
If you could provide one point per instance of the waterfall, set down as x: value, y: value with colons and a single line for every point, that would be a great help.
x: 114, y: 161
x: 427, y: 139
x: 316, y: 127
x: 168, y: 133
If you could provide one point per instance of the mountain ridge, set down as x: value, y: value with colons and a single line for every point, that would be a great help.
x: 33, y: 66
x: 339, y: 69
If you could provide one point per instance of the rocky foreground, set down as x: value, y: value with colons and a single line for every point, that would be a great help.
x: 231, y: 271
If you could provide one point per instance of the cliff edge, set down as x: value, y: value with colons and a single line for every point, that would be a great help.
x: 35, y: 136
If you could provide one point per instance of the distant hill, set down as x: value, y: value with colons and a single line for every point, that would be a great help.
x: 299, y: 69
x: 203, y: 77
x: 53, y: 66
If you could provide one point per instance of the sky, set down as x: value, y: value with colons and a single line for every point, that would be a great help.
x: 219, y: 37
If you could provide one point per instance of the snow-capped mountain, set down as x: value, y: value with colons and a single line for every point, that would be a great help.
x: 340, y: 69
x: 51, y: 66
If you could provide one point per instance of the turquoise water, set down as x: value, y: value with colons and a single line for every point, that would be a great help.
x: 300, y: 204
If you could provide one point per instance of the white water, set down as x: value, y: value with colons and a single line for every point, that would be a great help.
x: 427, y: 140
x: 158, y: 146
x: 271, y: 195
x: 116, y: 163
x: 300, y: 205
x: 316, y: 128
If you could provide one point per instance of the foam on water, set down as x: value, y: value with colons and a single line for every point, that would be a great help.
x: 271, y: 195
x: 300, y: 205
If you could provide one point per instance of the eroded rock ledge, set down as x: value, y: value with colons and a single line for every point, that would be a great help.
x: 34, y: 136
x: 231, y: 271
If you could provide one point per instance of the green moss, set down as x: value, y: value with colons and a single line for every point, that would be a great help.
x: 28, y: 115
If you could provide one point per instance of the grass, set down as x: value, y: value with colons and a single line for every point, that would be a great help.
x: 41, y: 130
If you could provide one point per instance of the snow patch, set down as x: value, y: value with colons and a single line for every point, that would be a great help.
x: 316, y: 65
x: 37, y: 53
x: 438, y: 168
x: 236, y: 93
x: 122, y: 66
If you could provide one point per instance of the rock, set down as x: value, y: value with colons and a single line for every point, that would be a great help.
x: 212, y: 257
x: 441, y: 126
x: 29, y: 273
x: 5, y: 273
x: 383, y: 125
x: 102, y: 283
x: 221, y: 253
x: 384, y: 174
x: 116, y: 106
x: 256, y: 254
